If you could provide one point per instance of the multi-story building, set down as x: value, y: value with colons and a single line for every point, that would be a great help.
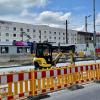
x: 84, y: 37
x: 79, y: 37
x: 10, y: 31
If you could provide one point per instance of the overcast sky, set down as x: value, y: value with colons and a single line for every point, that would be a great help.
x: 51, y: 12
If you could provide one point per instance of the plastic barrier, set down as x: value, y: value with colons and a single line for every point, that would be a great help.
x: 15, y: 85
x: 60, y: 78
x: 35, y: 82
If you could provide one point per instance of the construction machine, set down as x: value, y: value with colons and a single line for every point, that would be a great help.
x: 43, y: 55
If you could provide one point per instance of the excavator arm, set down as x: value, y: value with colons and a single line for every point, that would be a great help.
x: 56, y: 60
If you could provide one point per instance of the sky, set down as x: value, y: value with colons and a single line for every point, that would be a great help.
x: 51, y: 12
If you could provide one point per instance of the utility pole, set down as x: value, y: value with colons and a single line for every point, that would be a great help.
x: 66, y: 32
x: 94, y: 35
x: 22, y: 35
x: 85, y: 23
x: 86, y: 29
x: 40, y: 35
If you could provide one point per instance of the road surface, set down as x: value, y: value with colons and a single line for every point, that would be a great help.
x: 89, y: 92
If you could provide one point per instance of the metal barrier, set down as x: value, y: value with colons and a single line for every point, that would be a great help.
x: 23, y: 84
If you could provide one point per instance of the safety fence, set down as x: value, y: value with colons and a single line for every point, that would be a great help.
x: 23, y: 84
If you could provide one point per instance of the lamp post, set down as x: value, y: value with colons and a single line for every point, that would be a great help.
x: 94, y: 28
x: 40, y: 36
x: 86, y: 23
x: 86, y: 29
x: 66, y: 32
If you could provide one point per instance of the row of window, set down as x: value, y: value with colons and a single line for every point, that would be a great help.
x: 49, y: 32
x: 7, y: 34
x: 28, y: 30
x: 15, y: 29
x: 53, y: 37
x: 5, y: 50
x: 14, y: 35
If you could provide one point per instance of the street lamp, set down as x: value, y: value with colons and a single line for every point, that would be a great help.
x: 94, y: 35
x: 86, y: 29
x: 86, y: 23
x: 66, y: 32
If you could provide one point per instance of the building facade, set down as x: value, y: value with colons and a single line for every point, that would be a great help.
x: 10, y: 31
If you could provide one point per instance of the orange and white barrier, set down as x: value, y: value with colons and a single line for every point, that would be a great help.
x: 23, y: 84
x: 16, y: 85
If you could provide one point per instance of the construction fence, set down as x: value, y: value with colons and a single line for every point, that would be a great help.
x: 18, y: 85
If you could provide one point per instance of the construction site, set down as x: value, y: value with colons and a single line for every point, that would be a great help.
x: 49, y: 50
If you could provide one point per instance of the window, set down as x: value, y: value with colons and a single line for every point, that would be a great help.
x: 39, y: 31
x: 27, y: 49
x: 19, y: 49
x: 59, y: 38
x: 63, y: 33
x: 59, y: 33
x: 55, y: 33
x: 0, y: 34
x: 14, y: 28
x: 54, y: 37
x: 21, y: 29
x: 34, y: 30
x: 40, y: 37
x: 50, y: 37
x: 49, y: 32
x: 44, y: 31
x: 23, y: 49
x: 14, y: 35
x: 7, y: 34
x: 28, y: 30
x: 0, y: 39
x: 90, y: 38
x: 4, y: 49
x: 7, y: 28
x: 63, y: 38
x: 7, y: 40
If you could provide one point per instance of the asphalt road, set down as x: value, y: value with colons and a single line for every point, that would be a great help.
x: 89, y: 92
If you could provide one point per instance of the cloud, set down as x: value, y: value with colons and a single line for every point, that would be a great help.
x: 25, y: 13
x: 52, y: 18
x: 15, y: 7
x: 98, y: 19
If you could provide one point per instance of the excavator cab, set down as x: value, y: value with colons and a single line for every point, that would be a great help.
x: 43, y: 57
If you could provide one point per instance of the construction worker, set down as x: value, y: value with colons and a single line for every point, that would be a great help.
x: 46, y: 52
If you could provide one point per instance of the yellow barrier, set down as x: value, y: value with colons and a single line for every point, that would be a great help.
x: 35, y: 82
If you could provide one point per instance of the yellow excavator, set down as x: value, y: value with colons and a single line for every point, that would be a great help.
x: 43, y: 55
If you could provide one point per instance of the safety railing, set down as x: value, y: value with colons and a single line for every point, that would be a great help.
x: 35, y: 82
